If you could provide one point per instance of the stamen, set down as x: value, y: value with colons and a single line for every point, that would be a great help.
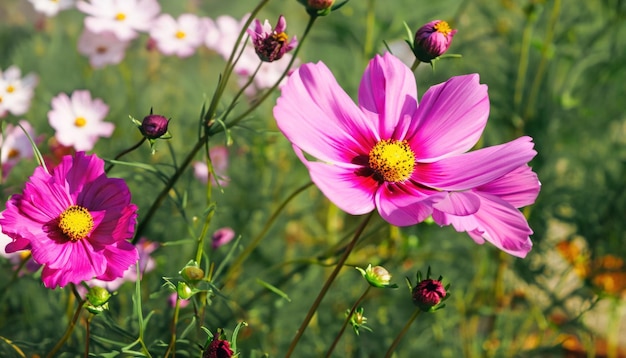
x: 80, y: 122
x: 392, y: 160
x: 76, y: 222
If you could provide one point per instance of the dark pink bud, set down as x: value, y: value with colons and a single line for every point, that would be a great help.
x: 428, y: 293
x: 154, y: 126
x: 219, y: 348
x: 222, y: 237
x: 432, y: 40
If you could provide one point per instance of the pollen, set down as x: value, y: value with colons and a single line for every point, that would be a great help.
x: 392, y: 160
x: 443, y: 28
x: 120, y: 16
x: 76, y: 222
x: 80, y: 122
x: 180, y: 35
x: 280, y: 37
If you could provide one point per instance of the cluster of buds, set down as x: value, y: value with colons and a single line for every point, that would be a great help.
x: 429, y: 294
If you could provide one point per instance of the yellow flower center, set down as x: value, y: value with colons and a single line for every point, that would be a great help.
x: 120, y: 16
x: 393, y: 160
x: 76, y: 222
x: 0, y: 99
x: 443, y: 28
x: 280, y: 37
x: 80, y: 122
x: 180, y: 35
x: 10, y: 89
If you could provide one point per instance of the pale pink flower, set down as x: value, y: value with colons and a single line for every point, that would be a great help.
x: 51, y: 8
x: 222, y: 36
x: 219, y: 160
x: 178, y: 37
x: 78, y: 120
x: 124, y: 18
x: 102, y: 49
x: 16, y: 91
x: 222, y: 237
x: 389, y: 153
x: 171, y: 299
x: 15, y: 145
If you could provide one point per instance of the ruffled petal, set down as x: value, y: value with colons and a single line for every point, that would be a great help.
x: 458, y: 203
x: 119, y: 257
x: 450, y: 118
x: 402, y: 205
x: 351, y: 193
x: 473, y: 169
x: 519, y: 187
x: 78, y: 170
x: 388, y: 89
x: 315, y: 114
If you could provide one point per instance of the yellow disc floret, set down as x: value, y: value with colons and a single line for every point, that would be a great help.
x: 443, y: 28
x: 180, y: 35
x: 392, y: 160
x: 76, y: 222
x: 80, y: 122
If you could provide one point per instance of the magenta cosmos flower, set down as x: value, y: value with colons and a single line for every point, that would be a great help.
x: 271, y: 44
x: 75, y: 221
x: 388, y: 152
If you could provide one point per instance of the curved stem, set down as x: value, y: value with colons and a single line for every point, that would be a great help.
x: 415, y: 64
x: 68, y: 331
x: 143, y: 139
x: 327, y: 284
x: 402, y: 333
x: 255, y: 242
x: 172, y: 346
x: 345, y: 322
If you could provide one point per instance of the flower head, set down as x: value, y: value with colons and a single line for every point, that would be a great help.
x: 51, y: 8
x: 16, y: 91
x: 222, y: 237
x: 389, y: 153
x: 102, y: 48
x: 432, y: 40
x: 15, y: 145
x: 180, y: 36
x: 124, y: 18
x: 75, y: 221
x: 154, y: 126
x: 219, y: 160
x: 78, y: 120
x: 270, y: 45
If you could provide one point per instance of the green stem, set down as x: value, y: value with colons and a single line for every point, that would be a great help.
x: 68, y: 331
x: 415, y: 64
x: 172, y: 346
x: 405, y: 329
x: 255, y: 242
x: 345, y: 322
x: 327, y: 284
x: 370, y: 21
x: 143, y: 139
x: 523, y: 62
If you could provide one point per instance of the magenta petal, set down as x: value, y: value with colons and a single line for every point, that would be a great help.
x: 404, y: 206
x: 450, y: 118
x: 458, y: 203
x: 388, y: 89
x: 78, y: 170
x: 316, y: 115
x: 120, y: 257
x: 351, y: 193
x: 470, y: 170
x: 519, y: 187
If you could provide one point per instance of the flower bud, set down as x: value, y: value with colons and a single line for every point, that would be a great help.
x: 321, y: 7
x: 192, y: 274
x: 320, y: 4
x: 219, y: 348
x: 97, y: 298
x: 432, y: 40
x: 184, y: 291
x: 428, y: 294
x: 377, y: 276
x: 154, y: 126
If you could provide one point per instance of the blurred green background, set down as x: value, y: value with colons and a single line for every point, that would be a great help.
x: 555, y: 71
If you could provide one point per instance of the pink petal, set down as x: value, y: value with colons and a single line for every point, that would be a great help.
x: 450, y: 118
x: 316, y: 115
x: 470, y: 170
x: 458, y: 203
x: 401, y: 205
x: 388, y: 90
x: 119, y: 257
x: 519, y: 187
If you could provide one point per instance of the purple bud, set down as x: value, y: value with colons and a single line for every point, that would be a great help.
x: 428, y: 293
x: 154, y: 126
x: 219, y: 348
x: 432, y: 40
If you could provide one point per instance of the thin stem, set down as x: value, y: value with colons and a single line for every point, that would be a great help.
x: 345, y: 322
x: 402, y: 332
x: 143, y: 139
x: 370, y: 21
x: 523, y: 61
x: 327, y: 284
x: 415, y: 64
x: 255, y: 242
x: 87, y: 334
x: 68, y: 331
x: 172, y: 346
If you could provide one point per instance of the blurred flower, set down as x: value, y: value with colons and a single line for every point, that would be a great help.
x: 154, y: 126
x: 222, y: 237
x: 15, y: 145
x: 172, y: 300
x: 75, y: 221
x: 270, y: 45
x: 388, y: 153
x: 102, y: 48
x: 146, y: 264
x: 377, y: 276
x: 121, y: 17
x: 56, y: 153
x: 432, y: 40
x: 221, y: 34
x: 497, y: 219
x: 16, y: 92
x: 51, y: 8
x: 219, y: 159
x: 178, y: 37
x: 218, y: 348
x: 78, y: 120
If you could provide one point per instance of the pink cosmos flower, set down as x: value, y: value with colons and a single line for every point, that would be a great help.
x: 178, y: 37
x: 497, y: 219
x: 124, y: 18
x: 388, y: 152
x: 15, y: 145
x: 271, y: 44
x: 222, y: 237
x: 75, y: 221
x: 51, y: 8
x: 102, y: 49
x: 219, y: 160
x: 78, y: 120
x: 16, y: 92
x: 221, y: 35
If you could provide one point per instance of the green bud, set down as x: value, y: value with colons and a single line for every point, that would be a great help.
x: 192, y: 274
x: 98, y: 296
x: 377, y: 276
x: 184, y: 291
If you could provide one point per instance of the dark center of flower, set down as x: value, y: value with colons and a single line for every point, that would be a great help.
x: 13, y: 153
x: 80, y: 122
x: 393, y: 160
x: 443, y: 28
x: 280, y: 37
x: 101, y: 50
x: 76, y: 222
